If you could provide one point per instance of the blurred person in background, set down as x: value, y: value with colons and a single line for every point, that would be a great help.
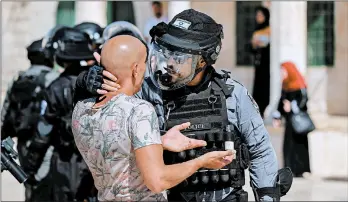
x: 21, y: 112
x: 71, y: 179
x: 157, y: 17
x: 293, y: 97
x: 261, y: 50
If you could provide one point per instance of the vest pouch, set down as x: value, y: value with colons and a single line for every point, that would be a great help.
x: 224, y: 175
x: 203, y: 176
x: 242, y: 196
x: 194, y: 180
x: 214, y: 176
x: 244, y: 158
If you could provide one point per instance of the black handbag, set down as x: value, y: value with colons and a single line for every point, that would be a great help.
x: 301, y: 122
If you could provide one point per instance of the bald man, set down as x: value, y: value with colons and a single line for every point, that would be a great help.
x: 118, y: 135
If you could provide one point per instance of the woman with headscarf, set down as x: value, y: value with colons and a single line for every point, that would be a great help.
x: 294, y: 97
x: 261, y: 49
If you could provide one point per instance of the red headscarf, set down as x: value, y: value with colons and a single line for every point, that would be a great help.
x: 294, y: 80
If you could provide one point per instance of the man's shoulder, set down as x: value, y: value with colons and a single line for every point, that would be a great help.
x: 61, y: 82
x: 51, y: 77
x: 137, y: 103
x: 83, y: 106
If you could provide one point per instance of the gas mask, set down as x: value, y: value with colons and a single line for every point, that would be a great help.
x: 171, y: 69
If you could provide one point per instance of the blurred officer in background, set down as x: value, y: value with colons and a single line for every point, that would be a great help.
x: 71, y: 179
x: 94, y: 32
x: 23, y: 107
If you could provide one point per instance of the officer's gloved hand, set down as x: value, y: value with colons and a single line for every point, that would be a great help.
x: 98, y: 81
x: 93, y: 79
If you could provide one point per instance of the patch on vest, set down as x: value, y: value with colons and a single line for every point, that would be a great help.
x: 253, y: 102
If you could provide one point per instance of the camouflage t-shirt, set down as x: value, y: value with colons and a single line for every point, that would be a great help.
x: 107, y: 138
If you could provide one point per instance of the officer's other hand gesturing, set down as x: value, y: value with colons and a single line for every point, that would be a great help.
x: 175, y: 141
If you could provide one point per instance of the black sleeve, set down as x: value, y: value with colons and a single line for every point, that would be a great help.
x: 7, y: 128
x: 302, y: 102
x: 281, y: 105
x: 87, y: 83
x: 81, y: 92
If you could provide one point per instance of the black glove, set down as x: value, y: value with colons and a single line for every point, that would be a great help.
x: 93, y: 80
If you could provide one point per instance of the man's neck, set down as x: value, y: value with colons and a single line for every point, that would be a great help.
x: 103, y: 99
x: 127, y: 87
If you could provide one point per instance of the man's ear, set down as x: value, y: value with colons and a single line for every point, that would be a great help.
x: 135, y: 69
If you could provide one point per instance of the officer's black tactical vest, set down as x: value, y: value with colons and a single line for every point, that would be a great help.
x: 207, y: 113
x: 25, y: 104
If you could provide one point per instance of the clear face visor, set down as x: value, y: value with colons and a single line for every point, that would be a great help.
x: 171, y: 70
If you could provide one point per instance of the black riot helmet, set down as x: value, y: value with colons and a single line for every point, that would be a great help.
x: 94, y: 32
x: 178, y: 47
x: 50, y: 41
x: 74, y: 47
x: 37, y: 56
x: 121, y: 28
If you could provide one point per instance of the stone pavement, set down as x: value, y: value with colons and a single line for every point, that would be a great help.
x: 328, y: 155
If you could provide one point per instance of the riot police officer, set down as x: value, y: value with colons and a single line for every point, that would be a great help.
x: 184, y: 86
x: 21, y: 112
x: 70, y: 176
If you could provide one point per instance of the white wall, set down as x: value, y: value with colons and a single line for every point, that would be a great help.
x: 22, y: 23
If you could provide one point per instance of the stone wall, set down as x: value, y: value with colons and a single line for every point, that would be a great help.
x: 337, y: 90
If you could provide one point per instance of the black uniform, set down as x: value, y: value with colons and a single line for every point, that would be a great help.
x: 71, y: 177
x: 21, y: 112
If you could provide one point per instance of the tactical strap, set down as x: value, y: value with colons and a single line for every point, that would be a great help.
x: 42, y: 78
x: 268, y: 191
x: 219, y: 83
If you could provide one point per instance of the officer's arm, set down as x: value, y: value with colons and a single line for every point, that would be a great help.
x: 6, y: 127
x: 264, y: 166
x: 87, y: 84
x: 40, y: 142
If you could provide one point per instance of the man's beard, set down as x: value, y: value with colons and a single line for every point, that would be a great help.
x: 158, y: 15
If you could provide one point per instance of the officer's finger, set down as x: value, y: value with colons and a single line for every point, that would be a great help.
x: 221, y: 154
x: 96, y: 56
x: 109, y: 88
x: 102, y: 92
x: 112, y: 84
x: 228, y: 159
x: 109, y: 76
x: 182, y: 126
